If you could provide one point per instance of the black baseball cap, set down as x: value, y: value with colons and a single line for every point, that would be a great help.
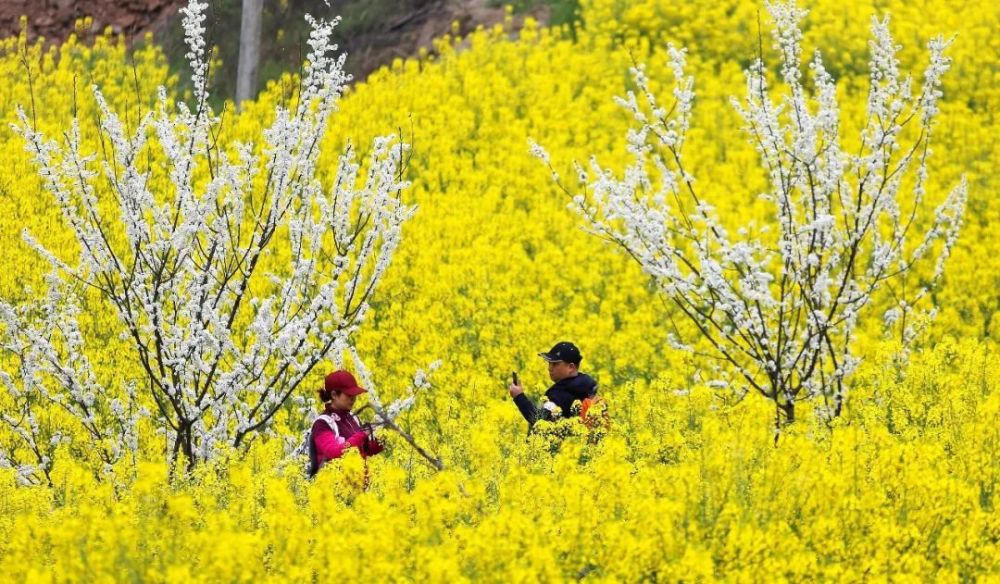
x: 563, y: 351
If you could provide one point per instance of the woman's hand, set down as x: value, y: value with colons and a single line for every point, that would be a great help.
x: 357, y: 439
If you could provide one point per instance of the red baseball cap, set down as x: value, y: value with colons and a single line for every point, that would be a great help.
x: 343, y: 382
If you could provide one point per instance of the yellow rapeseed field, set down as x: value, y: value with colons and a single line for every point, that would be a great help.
x: 688, y: 484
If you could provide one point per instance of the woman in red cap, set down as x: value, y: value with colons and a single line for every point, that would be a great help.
x: 337, y: 429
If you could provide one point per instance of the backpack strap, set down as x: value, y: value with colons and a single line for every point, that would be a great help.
x: 330, y: 421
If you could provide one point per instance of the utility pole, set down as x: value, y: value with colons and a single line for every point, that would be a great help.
x: 246, y: 73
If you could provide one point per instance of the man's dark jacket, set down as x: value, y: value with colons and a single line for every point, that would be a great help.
x: 562, y: 393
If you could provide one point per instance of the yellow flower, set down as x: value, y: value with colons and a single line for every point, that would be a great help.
x: 686, y: 483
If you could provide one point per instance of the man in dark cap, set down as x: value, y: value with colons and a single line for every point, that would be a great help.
x: 568, y: 387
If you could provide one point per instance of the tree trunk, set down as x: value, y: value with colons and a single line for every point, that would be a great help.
x: 246, y: 74
x: 788, y: 408
x: 784, y: 414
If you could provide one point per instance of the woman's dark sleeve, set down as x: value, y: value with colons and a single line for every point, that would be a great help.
x: 371, y: 446
x: 526, y: 408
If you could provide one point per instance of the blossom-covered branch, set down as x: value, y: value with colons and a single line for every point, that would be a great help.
x: 781, y: 312
x: 232, y: 270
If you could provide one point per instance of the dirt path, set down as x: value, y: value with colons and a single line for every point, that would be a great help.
x: 406, y: 34
x: 399, y: 34
x: 54, y: 19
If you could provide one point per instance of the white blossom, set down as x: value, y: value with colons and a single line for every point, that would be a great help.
x: 782, y: 316
x: 221, y: 343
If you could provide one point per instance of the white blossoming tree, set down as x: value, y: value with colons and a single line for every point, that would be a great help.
x: 222, y: 329
x: 780, y: 313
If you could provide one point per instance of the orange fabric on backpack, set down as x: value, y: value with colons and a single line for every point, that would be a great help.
x: 585, y: 407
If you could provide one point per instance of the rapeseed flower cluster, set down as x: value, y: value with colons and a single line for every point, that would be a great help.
x: 686, y: 482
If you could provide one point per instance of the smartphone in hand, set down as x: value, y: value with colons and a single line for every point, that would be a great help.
x: 514, y: 377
